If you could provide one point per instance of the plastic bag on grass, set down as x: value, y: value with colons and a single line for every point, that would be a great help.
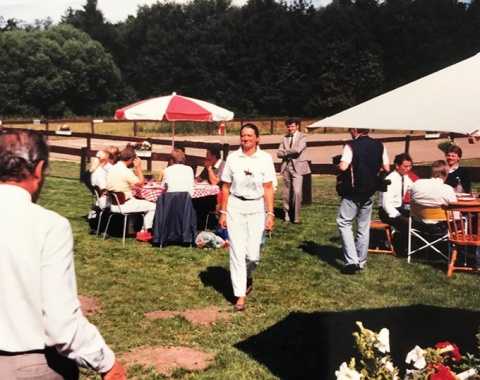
x: 210, y: 240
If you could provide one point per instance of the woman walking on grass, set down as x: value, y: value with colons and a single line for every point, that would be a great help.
x: 247, y: 208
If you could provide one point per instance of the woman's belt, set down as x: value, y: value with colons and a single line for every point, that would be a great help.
x: 246, y: 199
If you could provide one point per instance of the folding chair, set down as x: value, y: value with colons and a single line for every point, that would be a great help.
x: 98, y: 196
x: 428, y: 240
x: 215, y: 213
x: 117, y: 198
x: 463, y: 230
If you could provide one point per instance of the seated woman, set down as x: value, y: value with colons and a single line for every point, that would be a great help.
x: 178, y: 176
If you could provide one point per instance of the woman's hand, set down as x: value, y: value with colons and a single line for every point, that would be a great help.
x: 270, y: 222
x: 222, y: 220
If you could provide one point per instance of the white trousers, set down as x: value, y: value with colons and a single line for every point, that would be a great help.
x: 139, y: 205
x: 245, y: 232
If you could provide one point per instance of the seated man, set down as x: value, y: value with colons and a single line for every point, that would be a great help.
x: 213, y: 167
x: 458, y: 178
x: 431, y: 194
x: 392, y: 208
x: 121, y: 178
x: 212, y: 173
x: 177, y: 176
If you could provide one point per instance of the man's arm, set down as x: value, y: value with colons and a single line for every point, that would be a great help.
x: 137, y: 165
x: 66, y: 328
x: 281, y: 149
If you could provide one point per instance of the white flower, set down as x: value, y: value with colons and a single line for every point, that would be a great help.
x: 383, y: 341
x: 417, y: 357
x: 345, y: 373
x: 389, y: 366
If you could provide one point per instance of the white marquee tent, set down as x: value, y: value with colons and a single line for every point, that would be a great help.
x: 445, y: 101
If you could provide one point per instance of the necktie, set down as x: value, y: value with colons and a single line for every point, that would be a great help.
x: 403, y: 190
x: 291, y: 140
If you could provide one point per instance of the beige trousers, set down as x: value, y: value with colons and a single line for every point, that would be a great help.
x: 37, y: 366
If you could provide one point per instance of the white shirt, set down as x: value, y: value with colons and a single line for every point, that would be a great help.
x: 392, y: 198
x: 99, y: 178
x: 178, y: 177
x: 38, y: 291
x: 247, y: 174
x: 432, y: 192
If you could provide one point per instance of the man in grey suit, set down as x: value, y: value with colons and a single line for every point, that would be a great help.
x: 294, y: 167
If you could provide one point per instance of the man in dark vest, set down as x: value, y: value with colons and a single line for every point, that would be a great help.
x: 362, y: 160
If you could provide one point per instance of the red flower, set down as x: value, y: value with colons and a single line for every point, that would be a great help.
x: 454, y: 353
x: 443, y: 373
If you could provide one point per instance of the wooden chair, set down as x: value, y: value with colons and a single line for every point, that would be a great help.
x: 463, y: 230
x: 378, y: 224
x: 117, y: 198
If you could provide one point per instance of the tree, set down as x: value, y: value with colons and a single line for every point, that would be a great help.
x: 55, y: 73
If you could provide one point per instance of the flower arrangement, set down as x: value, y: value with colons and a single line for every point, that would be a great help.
x: 438, y: 363
x: 145, y: 146
x: 445, y: 145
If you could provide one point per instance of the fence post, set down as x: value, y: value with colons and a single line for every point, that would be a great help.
x: 271, y: 126
x: 92, y: 127
x: 407, y: 143
x: 307, y: 188
x: 135, y: 128
x: 83, y: 161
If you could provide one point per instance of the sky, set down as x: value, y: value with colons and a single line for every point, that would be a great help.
x: 113, y: 10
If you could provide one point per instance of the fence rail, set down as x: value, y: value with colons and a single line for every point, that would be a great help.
x: 86, y: 153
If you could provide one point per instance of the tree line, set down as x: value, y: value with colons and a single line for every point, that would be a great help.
x: 266, y: 58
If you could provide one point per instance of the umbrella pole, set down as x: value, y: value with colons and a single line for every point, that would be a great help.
x: 173, y: 134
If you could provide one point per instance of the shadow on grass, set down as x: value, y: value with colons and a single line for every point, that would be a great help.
x: 330, y: 254
x: 312, y: 346
x: 219, y: 279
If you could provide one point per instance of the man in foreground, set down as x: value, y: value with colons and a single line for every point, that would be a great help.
x: 43, y: 332
x: 292, y: 151
x: 362, y: 160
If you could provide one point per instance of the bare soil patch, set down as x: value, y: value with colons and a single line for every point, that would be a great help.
x: 205, y: 316
x: 167, y: 359
x: 90, y: 306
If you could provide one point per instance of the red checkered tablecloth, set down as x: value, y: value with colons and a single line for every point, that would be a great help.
x: 151, y: 193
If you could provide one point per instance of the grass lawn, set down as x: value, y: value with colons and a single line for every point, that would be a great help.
x: 299, y: 320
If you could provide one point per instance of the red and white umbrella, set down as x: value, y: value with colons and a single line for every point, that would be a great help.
x: 174, y: 108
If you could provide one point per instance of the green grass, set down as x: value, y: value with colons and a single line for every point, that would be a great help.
x: 298, y: 278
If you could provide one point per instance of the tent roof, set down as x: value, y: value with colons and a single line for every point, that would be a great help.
x: 447, y: 100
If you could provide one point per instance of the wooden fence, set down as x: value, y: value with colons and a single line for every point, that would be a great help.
x: 86, y: 153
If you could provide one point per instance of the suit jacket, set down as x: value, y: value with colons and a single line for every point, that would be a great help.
x: 175, y: 219
x: 296, y: 154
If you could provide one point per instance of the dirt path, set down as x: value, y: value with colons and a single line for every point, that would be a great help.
x: 421, y: 151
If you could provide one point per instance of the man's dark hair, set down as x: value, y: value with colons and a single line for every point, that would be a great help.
x: 20, y: 152
x: 292, y: 121
x: 399, y: 158
x: 214, y: 151
x: 454, y: 149
x: 251, y: 126
x: 126, y: 154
